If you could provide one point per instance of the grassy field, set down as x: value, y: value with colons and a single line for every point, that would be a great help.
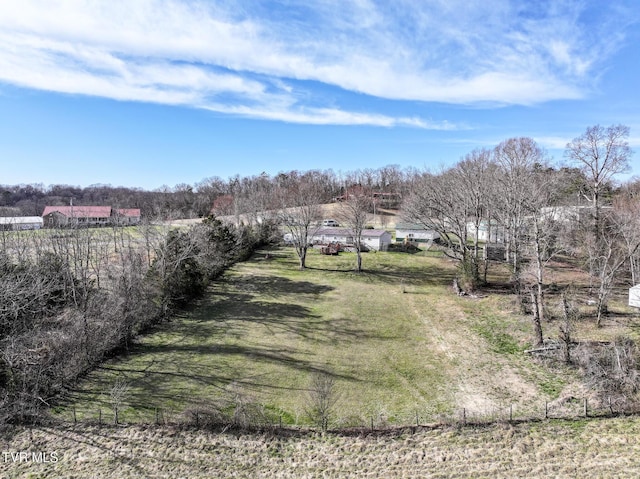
x: 395, y: 338
x: 400, y: 345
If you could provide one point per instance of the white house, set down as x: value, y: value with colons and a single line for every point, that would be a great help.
x: 20, y: 223
x: 415, y: 233
x: 373, y: 239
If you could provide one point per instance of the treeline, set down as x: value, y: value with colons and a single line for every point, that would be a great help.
x: 70, y: 298
x: 246, y: 195
x: 516, y: 196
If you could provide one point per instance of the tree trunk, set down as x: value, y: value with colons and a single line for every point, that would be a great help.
x: 537, y: 326
x: 539, y: 273
x: 303, y: 258
x: 565, y: 329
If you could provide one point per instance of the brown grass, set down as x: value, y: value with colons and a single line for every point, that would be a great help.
x: 560, y: 449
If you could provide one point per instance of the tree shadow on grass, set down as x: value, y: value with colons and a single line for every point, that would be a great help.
x: 427, y: 276
x: 331, y: 270
x: 235, y: 315
x: 179, y: 380
x: 278, y: 285
x: 192, y: 355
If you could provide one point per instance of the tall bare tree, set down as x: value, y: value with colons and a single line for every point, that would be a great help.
x: 517, y: 158
x: 542, y: 231
x: 600, y: 153
x: 456, y: 204
x: 475, y: 175
x: 353, y: 213
x: 299, y: 214
x: 626, y: 207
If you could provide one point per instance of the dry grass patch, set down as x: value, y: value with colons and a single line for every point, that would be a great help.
x: 562, y: 449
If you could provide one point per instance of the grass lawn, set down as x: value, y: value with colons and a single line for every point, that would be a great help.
x: 396, y: 339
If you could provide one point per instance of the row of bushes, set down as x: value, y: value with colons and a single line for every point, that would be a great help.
x: 68, y: 301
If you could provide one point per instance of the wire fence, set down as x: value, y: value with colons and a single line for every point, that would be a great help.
x: 251, y: 419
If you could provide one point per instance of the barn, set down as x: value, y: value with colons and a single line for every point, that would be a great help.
x: 61, y: 216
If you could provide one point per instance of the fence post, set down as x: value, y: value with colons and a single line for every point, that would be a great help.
x: 99, y: 417
x: 280, y: 421
x: 464, y: 415
x: 510, y: 412
x: 417, y: 419
x: 546, y: 410
x: 586, y: 410
x: 157, y: 417
x: 372, y: 423
x: 74, y: 415
x: 610, y: 406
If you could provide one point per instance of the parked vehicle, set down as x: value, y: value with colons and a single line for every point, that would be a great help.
x: 330, y: 223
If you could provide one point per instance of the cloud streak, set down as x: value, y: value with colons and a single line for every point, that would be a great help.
x: 266, y: 62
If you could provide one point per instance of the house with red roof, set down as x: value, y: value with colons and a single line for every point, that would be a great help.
x: 62, y: 216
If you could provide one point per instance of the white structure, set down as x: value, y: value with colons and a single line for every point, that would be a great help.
x: 373, y: 239
x: 414, y: 233
x: 634, y: 296
x: 20, y: 223
x: 496, y: 232
x: 566, y: 214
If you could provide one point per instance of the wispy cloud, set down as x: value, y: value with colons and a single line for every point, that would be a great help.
x: 264, y: 62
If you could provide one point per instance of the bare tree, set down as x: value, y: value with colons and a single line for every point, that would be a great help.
x: 117, y: 396
x: 600, y: 153
x: 517, y: 158
x: 569, y: 316
x: 437, y: 203
x: 606, y: 255
x: 299, y: 214
x: 322, y: 399
x: 354, y: 214
x: 626, y: 208
x: 455, y: 203
x: 475, y: 175
x: 542, y: 189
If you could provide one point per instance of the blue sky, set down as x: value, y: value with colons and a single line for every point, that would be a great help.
x: 148, y: 93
